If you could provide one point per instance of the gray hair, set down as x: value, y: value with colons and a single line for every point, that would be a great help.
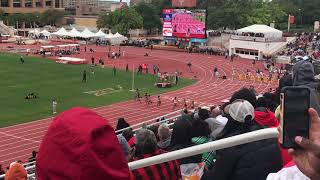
x: 216, y: 112
x: 163, y: 131
x: 146, y: 141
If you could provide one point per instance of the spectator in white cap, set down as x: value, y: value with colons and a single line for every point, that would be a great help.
x: 232, y: 126
x: 256, y: 159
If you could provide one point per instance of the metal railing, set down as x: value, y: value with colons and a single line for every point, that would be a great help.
x: 159, y: 122
x: 26, y: 168
x: 151, y: 120
x: 199, y: 149
x: 211, y: 146
x: 257, y: 39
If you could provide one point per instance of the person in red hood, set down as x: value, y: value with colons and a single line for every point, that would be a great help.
x: 80, y: 144
x: 263, y: 116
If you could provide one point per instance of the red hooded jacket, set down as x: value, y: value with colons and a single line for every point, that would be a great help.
x: 267, y: 118
x: 80, y: 145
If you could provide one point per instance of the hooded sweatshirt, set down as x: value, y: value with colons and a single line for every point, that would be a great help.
x: 216, y: 125
x: 164, y: 145
x: 16, y: 172
x: 80, y: 144
x: 303, y: 75
x: 181, y: 138
x: 265, y: 117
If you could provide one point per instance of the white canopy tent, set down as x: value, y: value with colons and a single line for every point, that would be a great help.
x: 61, y: 32
x: 109, y: 36
x: 67, y: 45
x: 117, y: 38
x: 35, y: 32
x: 87, y: 34
x: 268, y: 31
x: 74, y: 33
x: 100, y: 34
x: 118, y: 35
x: 45, y: 33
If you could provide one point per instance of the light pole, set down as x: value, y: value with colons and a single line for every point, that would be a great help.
x: 300, y: 14
x: 132, y: 85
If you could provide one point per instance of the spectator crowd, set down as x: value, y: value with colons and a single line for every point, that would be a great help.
x: 306, y: 44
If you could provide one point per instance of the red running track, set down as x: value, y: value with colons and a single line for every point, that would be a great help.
x: 17, y: 142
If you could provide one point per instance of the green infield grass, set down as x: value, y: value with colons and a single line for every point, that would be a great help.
x: 48, y: 80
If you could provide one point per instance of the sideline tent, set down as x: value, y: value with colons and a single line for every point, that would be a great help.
x: 87, y: 34
x: 61, y: 32
x: 74, y: 33
x: 100, y: 34
x: 45, y: 33
x: 118, y: 39
x: 109, y: 36
x: 35, y: 32
x: 268, y: 31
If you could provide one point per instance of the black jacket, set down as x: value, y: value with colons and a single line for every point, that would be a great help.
x: 252, y: 161
x: 181, y: 138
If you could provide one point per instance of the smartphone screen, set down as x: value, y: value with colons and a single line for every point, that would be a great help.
x: 295, y: 102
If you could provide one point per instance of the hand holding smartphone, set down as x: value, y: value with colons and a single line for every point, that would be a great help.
x: 294, y: 116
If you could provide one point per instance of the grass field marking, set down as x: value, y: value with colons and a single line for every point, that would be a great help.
x: 13, y: 86
x: 17, y: 137
x: 101, y: 92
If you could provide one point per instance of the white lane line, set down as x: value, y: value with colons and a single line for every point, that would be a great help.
x: 17, y: 137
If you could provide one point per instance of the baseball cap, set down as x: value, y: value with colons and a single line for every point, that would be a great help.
x: 240, y: 110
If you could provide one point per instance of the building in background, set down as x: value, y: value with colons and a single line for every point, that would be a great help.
x: 91, y: 7
x: 84, y: 13
x: 135, y: 2
x: 110, y: 6
x: 256, y: 41
x: 184, y: 3
x: 29, y: 6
